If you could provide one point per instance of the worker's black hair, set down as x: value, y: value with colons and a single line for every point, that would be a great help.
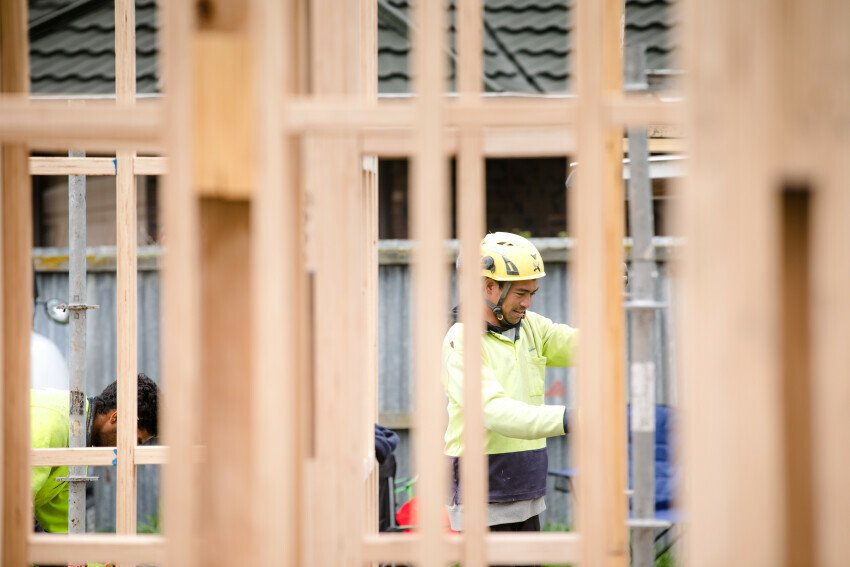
x: 147, y: 399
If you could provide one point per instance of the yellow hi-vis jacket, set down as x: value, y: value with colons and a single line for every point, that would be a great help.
x: 49, y: 429
x: 517, y: 422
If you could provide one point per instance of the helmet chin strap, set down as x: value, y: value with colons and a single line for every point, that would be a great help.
x: 497, y: 309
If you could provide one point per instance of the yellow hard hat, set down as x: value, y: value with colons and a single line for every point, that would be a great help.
x: 507, y: 257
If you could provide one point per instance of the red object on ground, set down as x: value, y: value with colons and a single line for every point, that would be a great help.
x: 408, y: 514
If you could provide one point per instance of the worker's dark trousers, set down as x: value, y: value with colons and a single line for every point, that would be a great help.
x: 530, y: 525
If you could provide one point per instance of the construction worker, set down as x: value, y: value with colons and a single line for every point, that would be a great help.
x: 516, y: 347
x: 49, y: 429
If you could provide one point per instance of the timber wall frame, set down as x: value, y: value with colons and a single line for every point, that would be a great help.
x: 267, y: 110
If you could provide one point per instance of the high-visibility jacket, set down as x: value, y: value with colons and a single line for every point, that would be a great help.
x: 49, y: 429
x: 516, y: 421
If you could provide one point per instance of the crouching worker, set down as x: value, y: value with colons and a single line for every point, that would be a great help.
x: 49, y: 429
x: 516, y: 347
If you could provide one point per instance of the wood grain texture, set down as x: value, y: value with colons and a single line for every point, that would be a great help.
x: 223, y: 114
x: 180, y: 342
x: 227, y: 368
x: 16, y: 289
x: 596, y: 209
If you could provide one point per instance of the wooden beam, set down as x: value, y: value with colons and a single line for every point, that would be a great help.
x: 102, y: 456
x: 94, y: 126
x: 94, y: 166
x: 822, y: 49
x: 429, y: 213
x: 731, y: 358
x: 180, y: 342
x: 126, y: 277
x: 47, y: 548
x: 16, y: 290
x: 278, y: 484
x: 596, y: 210
x: 501, y: 548
x: 369, y: 213
x: 226, y: 353
x: 471, y: 205
x: 222, y: 112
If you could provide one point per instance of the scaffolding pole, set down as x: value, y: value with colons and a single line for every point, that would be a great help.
x: 77, y: 348
x: 642, y: 307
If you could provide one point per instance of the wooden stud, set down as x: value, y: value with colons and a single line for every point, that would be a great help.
x: 824, y: 99
x: 596, y: 209
x: 226, y: 365
x: 180, y: 308
x: 429, y: 208
x: 369, y: 213
x: 731, y: 356
x: 471, y: 227
x: 340, y: 447
x: 126, y: 277
x: 16, y: 290
x: 277, y: 233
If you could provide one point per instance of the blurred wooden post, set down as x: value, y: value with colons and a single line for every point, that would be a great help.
x: 597, y: 213
x: 429, y: 227
x: 224, y: 127
x: 181, y: 306
x: 334, y: 182
x: 369, y: 238
x: 16, y: 307
x: 281, y: 297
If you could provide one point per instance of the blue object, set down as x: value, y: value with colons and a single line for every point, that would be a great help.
x: 115, y: 460
x: 667, y: 473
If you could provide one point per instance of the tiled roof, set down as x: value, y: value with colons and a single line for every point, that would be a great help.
x: 72, y: 46
x: 527, y: 43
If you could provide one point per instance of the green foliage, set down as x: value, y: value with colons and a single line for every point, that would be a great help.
x: 149, y: 526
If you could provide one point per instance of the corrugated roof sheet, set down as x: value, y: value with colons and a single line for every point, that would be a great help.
x: 72, y: 47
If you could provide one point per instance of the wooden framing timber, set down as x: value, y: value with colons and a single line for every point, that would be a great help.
x: 16, y: 292
x: 270, y: 203
x: 181, y: 307
x: 471, y: 214
x: 429, y: 211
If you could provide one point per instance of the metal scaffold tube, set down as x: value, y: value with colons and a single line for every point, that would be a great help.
x: 643, y: 315
x: 77, y: 348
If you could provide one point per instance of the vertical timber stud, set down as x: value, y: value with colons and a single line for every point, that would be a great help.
x: 278, y: 273
x: 732, y: 348
x: 470, y: 214
x: 224, y: 128
x: 16, y: 306
x: 127, y: 282
x: 817, y: 115
x: 429, y: 275
x: 369, y: 214
x: 180, y: 288
x: 334, y: 182
x: 597, y: 215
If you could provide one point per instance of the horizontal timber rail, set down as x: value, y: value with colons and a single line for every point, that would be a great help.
x: 133, y: 549
x: 510, y: 549
x: 94, y: 166
x: 93, y: 125
x: 102, y: 456
x: 335, y: 115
